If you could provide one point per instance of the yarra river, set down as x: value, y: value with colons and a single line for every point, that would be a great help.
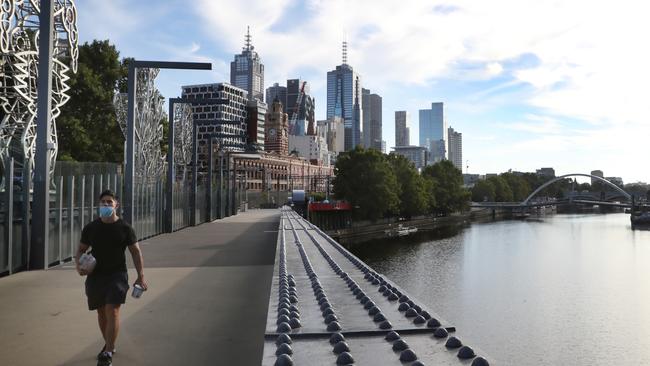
x: 555, y: 290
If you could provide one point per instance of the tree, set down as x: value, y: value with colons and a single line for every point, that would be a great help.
x: 502, y: 191
x: 87, y: 128
x: 483, y: 191
x: 446, y: 183
x: 518, y: 185
x: 413, y: 194
x: 366, y: 179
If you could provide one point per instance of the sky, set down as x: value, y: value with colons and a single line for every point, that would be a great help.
x: 529, y: 84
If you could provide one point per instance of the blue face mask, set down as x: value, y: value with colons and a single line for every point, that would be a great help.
x: 105, y: 211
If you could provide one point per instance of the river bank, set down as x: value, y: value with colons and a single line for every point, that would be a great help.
x: 365, y: 231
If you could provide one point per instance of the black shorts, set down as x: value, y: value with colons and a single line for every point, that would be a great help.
x: 103, y: 289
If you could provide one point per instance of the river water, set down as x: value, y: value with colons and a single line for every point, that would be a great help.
x: 555, y: 290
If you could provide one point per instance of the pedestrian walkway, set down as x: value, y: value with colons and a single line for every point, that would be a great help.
x: 206, y: 304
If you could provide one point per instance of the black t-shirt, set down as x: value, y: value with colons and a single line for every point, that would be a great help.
x: 108, y: 242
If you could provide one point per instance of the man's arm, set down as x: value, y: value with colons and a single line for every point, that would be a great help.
x: 80, y: 250
x: 136, y: 253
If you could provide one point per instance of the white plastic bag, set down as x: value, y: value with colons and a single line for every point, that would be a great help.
x: 87, y: 262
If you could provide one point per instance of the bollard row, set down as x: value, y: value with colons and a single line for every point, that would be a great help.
x: 373, y: 310
x: 406, y: 306
x: 288, y: 314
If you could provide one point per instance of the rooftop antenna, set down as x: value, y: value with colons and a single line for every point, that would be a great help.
x: 345, y: 52
x: 248, y: 39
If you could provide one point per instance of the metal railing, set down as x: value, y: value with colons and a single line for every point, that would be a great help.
x: 74, y: 195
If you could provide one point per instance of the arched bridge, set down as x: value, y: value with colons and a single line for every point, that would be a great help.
x: 528, y: 201
x: 556, y: 179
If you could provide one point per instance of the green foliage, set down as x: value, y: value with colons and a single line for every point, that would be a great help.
x: 482, y: 191
x: 502, y: 191
x: 518, y: 185
x: 446, y: 185
x: 366, y: 180
x: 87, y: 127
x: 638, y: 189
x: 414, y: 196
x: 318, y: 196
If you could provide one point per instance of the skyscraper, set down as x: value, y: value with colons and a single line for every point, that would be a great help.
x: 433, y: 131
x: 402, y: 132
x: 276, y: 90
x: 455, y: 148
x: 306, y: 115
x: 247, y: 71
x: 371, y: 105
x: 344, y: 100
x: 255, y: 117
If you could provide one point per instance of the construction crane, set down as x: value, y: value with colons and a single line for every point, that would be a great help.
x: 296, y: 109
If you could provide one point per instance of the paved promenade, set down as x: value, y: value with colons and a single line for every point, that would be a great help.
x: 206, y: 304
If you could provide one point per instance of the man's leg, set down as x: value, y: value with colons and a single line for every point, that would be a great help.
x: 112, y: 313
x: 101, y: 319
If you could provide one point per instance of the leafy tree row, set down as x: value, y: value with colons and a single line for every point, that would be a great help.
x: 379, y: 185
x: 87, y: 128
x: 511, y: 187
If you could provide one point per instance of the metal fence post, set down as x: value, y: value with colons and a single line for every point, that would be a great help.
x: 82, y: 206
x: 60, y: 219
x: 39, y: 245
x: 9, y: 214
x: 195, y: 170
x: 92, y: 198
x: 71, y: 212
x: 209, y: 185
x: 26, y: 215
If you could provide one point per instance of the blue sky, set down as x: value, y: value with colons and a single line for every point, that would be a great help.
x: 530, y: 84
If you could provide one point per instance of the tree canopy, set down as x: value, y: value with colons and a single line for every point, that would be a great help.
x: 414, y: 196
x: 87, y: 128
x: 366, y: 179
x: 446, y: 183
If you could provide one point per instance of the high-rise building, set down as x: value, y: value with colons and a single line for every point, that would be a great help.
x: 402, y: 133
x: 276, y: 90
x: 415, y: 154
x: 372, y: 121
x: 333, y: 132
x: 255, y: 117
x: 433, y: 131
x: 306, y: 115
x: 383, y: 146
x: 455, y: 148
x: 310, y: 147
x: 226, y: 122
x: 546, y: 172
x: 344, y: 100
x: 247, y: 71
x: 598, y: 173
x: 276, y: 138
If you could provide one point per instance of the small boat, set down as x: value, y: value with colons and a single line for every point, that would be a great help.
x: 640, y: 218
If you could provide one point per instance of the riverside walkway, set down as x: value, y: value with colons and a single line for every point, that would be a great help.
x: 262, y: 287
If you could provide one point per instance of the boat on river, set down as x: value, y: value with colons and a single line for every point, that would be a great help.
x: 401, y: 230
x: 640, y: 218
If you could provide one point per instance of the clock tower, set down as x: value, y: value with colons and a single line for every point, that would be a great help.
x: 276, y: 127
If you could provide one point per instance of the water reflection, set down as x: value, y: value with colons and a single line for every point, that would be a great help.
x: 558, y: 290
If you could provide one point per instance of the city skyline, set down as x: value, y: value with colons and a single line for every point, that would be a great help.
x: 525, y: 92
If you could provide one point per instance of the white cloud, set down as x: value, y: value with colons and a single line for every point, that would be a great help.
x: 535, y: 124
x: 590, y: 65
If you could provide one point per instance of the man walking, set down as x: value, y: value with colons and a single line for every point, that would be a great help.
x: 108, y: 284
